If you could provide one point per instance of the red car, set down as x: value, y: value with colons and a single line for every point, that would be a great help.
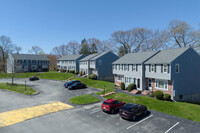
x: 111, y: 105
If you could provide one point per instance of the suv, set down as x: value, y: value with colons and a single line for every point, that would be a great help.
x: 71, y: 83
x: 131, y: 111
x: 111, y: 105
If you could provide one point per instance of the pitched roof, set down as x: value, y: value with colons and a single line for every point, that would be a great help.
x: 98, y: 56
x: 166, y: 56
x: 71, y: 57
x: 89, y: 57
x: 135, y: 58
x: 29, y: 57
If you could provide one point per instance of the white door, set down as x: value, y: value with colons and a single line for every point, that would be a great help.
x: 150, y: 84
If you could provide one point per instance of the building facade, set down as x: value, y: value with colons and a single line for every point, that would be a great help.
x: 173, y: 71
x: 27, y: 63
x: 70, y: 62
x: 101, y: 65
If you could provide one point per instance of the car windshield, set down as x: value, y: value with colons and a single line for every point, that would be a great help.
x: 106, y: 103
x: 128, y: 107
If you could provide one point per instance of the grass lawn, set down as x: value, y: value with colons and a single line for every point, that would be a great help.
x: 18, y: 88
x: 84, y: 99
x: 97, y: 84
x: 181, y: 109
x: 43, y: 75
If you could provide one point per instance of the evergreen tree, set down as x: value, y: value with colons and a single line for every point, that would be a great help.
x: 84, y: 48
x: 121, y: 51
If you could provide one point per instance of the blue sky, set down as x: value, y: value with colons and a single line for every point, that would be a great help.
x: 49, y: 23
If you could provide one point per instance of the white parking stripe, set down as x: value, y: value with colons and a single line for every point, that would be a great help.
x: 96, y: 109
x: 139, y: 122
x: 172, y: 127
x: 94, y: 112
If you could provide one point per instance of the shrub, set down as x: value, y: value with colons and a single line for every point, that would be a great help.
x: 158, y: 95
x: 122, y: 86
x: 72, y: 71
x: 93, y: 76
x: 167, y: 97
x: 151, y: 94
x: 63, y: 70
x: 83, y: 72
x: 131, y: 87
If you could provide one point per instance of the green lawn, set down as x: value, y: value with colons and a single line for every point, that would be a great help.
x: 18, y: 88
x: 44, y: 75
x: 181, y: 109
x: 84, y: 99
x: 97, y: 84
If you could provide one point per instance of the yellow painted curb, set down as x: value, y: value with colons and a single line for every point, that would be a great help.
x: 16, y: 116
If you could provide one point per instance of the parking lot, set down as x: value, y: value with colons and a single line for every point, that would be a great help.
x: 87, y: 118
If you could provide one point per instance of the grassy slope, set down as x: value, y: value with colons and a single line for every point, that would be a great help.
x: 181, y: 109
x: 45, y: 75
x: 97, y: 84
x: 83, y: 99
x: 18, y: 88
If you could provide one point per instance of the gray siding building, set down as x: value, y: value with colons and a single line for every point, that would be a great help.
x: 84, y: 64
x: 175, y: 71
x: 27, y: 63
x: 70, y: 62
x: 101, y: 65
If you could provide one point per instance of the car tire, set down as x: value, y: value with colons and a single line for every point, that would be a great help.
x: 112, y: 111
x: 134, y: 118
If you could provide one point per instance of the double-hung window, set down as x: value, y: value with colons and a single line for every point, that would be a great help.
x: 177, y: 68
x: 165, y: 67
x: 161, y: 84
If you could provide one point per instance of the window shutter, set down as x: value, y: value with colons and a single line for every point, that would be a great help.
x: 122, y: 66
x: 136, y: 67
x: 155, y: 68
x: 128, y: 67
x: 149, y: 67
x: 161, y: 68
x: 168, y: 68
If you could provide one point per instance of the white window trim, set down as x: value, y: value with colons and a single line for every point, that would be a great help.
x: 156, y: 84
x: 164, y: 68
x: 121, y: 78
x: 152, y: 67
x: 178, y: 68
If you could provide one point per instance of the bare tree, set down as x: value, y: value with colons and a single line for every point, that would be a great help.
x: 183, y: 34
x: 73, y: 47
x: 6, y: 47
x: 131, y: 40
x: 36, y: 50
x: 156, y: 41
x: 18, y: 49
x: 60, y: 50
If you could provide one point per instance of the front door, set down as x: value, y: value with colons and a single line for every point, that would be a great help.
x: 150, y: 84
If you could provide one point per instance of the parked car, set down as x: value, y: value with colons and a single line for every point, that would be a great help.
x: 131, y: 111
x: 33, y: 78
x: 111, y: 105
x: 76, y: 85
x: 71, y: 82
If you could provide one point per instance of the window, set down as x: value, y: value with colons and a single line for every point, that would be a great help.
x: 152, y: 68
x: 120, y: 68
x: 165, y: 68
x: 119, y: 77
x: 161, y: 84
x: 115, y: 67
x: 177, y: 68
x: 134, y: 67
x: 125, y: 67
x: 129, y: 80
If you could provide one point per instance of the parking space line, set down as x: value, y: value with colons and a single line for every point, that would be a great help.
x: 172, y: 127
x: 94, y: 111
x: 139, y: 122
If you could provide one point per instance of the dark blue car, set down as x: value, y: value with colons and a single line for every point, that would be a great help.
x: 77, y: 85
x: 70, y: 83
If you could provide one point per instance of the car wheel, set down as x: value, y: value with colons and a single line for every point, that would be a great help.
x: 112, y: 111
x: 145, y: 112
x: 134, y: 118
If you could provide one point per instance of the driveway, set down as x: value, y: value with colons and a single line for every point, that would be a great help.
x: 84, y: 119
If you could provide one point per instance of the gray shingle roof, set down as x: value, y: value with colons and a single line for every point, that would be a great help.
x: 71, y: 57
x: 89, y: 57
x: 166, y: 56
x: 135, y: 58
x: 29, y: 57
x: 98, y: 56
